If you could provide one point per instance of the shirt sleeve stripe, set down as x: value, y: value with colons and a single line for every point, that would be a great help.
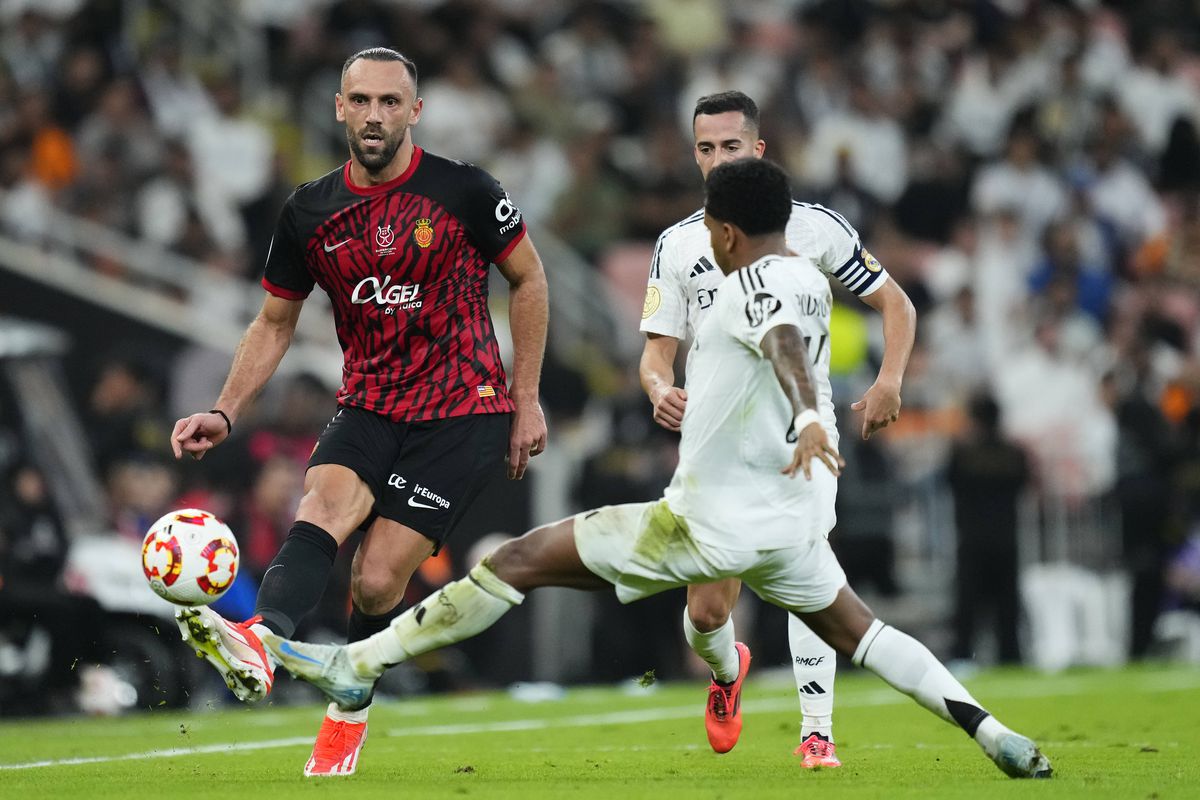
x: 279, y: 291
x: 655, y: 267
x: 853, y: 259
x: 860, y: 282
x: 836, y: 218
x: 507, y: 251
x: 847, y: 269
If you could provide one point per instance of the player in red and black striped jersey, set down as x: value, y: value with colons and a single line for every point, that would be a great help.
x: 406, y: 265
x: 402, y: 241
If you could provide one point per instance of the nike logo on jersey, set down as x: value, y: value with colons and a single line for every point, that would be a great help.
x: 329, y: 248
x: 412, y: 501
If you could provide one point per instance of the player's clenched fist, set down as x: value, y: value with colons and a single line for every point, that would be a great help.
x: 199, y: 433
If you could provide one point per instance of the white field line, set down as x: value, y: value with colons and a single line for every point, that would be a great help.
x: 1023, y: 689
x: 169, y: 753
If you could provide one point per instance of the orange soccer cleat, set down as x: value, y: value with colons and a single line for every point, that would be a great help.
x: 335, y: 752
x: 818, y: 752
x: 723, y: 714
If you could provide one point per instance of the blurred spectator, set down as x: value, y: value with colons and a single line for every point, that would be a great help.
x: 864, y: 538
x: 533, y: 167
x: 1070, y: 432
x: 587, y: 54
x: 955, y: 345
x: 590, y: 214
x: 662, y: 177
x: 176, y: 96
x: 31, y: 46
x: 232, y: 152
x: 1156, y: 91
x: 463, y: 115
x: 266, y: 514
x: 1120, y: 195
x: 25, y: 204
x: 52, y: 161
x: 861, y: 145
x: 987, y: 475
x: 1089, y: 285
x: 84, y: 73
x: 1020, y: 182
x: 1147, y: 453
x: 181, y: 214
x: 124, y: 416
x: 119, y: 129
x: 33, y: 603
x: 141, y: 488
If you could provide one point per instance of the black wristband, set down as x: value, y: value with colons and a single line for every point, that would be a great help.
x: 224, y: 416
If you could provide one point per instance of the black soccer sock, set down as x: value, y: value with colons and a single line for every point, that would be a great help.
x: 293, y: 584
x: 363, y: 626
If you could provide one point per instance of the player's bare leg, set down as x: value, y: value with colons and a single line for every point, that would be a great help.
x: 852, y: 629
x: 545, y: 556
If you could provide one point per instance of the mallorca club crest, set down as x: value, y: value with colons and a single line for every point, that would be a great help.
x: 423, y: 233
x: 385, y: 237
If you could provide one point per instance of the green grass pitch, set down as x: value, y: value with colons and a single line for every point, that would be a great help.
x: 1131, y: 733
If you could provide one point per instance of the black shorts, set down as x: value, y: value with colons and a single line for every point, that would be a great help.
x: 423, y: 474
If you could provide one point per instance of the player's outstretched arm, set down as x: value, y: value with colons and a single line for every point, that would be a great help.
x: 257, y: 356
x: 657, y: 372
x: 784, y: 347
x: 881, y: 403
x: 528, y: 310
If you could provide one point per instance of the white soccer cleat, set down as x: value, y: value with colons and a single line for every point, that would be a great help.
x: 232, y: 648
x: 325, y: 666
x: 1018, y: 757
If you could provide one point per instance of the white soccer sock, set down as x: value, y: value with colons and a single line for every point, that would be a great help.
x: 261, y: 630
x: 336, y: 714
x: 458, y: 611
x: 715, y: 647
x: 909, y: 667
x: 815, y: 665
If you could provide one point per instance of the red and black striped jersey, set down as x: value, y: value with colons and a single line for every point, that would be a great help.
x: 406, y: 265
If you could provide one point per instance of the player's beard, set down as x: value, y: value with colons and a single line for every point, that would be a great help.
x: 376, y: 160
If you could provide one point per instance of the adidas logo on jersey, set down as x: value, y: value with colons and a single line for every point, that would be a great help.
x: 700, y: 267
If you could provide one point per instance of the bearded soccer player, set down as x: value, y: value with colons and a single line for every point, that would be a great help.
x: 681, y: 289
x: 752, y: 497
x: 402, y: 241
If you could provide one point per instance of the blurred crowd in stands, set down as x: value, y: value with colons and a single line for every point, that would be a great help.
x: 1029, y: 171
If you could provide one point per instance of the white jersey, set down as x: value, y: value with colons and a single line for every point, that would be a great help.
x: 684, y: 275
x: 738, y: 421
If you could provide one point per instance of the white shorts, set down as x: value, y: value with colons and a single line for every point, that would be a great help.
x: 644, y: 548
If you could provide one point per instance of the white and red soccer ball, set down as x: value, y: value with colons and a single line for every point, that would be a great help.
x: 190, y: 557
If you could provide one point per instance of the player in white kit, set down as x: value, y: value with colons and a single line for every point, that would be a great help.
x: 737, y: 507
x: 681, y: 290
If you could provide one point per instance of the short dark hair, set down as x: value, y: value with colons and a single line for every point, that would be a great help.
x: 752, y: 193
x: 382, y: 54
x: 721, y: 102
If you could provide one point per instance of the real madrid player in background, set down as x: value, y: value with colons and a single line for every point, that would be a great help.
x: 752, y: 497
x: 402, y: 241
x: 681, y: 289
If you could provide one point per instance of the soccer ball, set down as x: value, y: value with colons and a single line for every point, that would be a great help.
x: 190, y: 557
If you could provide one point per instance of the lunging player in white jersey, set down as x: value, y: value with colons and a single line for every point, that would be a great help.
x: 752, y: 497
x: 681, y: 290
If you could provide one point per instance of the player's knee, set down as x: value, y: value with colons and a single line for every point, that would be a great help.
x: 511, y: 561
x: 707, y: 616
x: 377, y: 591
